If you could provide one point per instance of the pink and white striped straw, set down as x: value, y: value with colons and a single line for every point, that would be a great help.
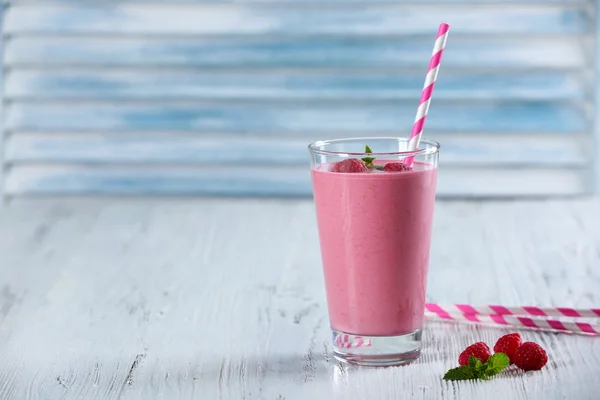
x: 537, y: 323
x: 347, y: 341
x: 430, y: 78
x: 523, y: 311
x: 524, y: 317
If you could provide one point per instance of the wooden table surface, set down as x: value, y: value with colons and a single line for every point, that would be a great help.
x: 224, y: 299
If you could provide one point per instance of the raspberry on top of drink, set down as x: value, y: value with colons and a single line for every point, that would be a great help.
x: 354, y: 165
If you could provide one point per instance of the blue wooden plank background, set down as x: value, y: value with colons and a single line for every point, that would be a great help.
x: 129, y: 97
x: 194, y: 149
x: 267, y: 181
x: 292, y: 19
x: 41, y: 84
x: 2, y: 155
x: 321, y: 119
x: 418, y: 2
x: 493, y: 52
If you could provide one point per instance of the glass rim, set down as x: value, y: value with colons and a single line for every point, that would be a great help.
x: 431, y: 148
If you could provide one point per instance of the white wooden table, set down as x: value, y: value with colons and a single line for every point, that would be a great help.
x: 224, y: 299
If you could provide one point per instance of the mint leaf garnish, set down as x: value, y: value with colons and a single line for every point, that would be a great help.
x: 368, y: 160
x: 478, y: 370
x: 475, y: 362
x: 496, y: 364
x: 460, y: 374
x: 477, y: 367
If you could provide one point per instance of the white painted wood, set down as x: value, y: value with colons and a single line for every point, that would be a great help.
x: 224, y: 299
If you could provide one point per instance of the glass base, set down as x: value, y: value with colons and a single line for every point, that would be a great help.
x: 377, y: 351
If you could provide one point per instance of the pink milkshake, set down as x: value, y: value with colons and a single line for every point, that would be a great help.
x: 375, y: 230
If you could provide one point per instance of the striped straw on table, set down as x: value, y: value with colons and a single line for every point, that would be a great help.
x: 531, y: 317
x: 430, y: 79
x: 442, y: 309
x: 347, y: 341
x: 536, y: 323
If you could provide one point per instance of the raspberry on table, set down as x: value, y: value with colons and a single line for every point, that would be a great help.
x: 396, y: 167
x: 350, y: 165
x: 479, y: 350
x: 530, y: 356
x: 508, y: 344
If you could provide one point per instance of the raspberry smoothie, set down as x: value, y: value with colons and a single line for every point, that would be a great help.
x: 374, y: 229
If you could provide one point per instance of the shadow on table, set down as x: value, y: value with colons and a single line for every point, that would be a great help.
x: 299, y: 368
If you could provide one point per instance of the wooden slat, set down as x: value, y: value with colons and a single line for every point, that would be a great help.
x: 266, y: 181
x: 385, y: 118
x: 100, y: 85
x: 271, y: 19
x: 172, y: 148
x: 354, y: 2
x: 497, y: 53
x: 595, y: 167
x: 243, y: 85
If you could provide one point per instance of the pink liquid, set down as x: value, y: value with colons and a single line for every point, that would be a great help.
x: 375, y: 231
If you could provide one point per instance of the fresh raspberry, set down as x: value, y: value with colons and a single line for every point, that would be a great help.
x: 349, y: 165
x: 479, y: 350
x: 508, y: 344
x: 530, y: 356
x: 396, y: 167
